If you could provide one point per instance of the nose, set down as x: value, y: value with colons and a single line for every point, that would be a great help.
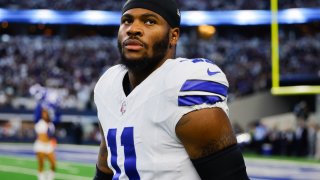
x: 135, y: 29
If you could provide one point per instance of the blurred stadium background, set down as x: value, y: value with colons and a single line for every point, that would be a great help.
x: 269, y: 51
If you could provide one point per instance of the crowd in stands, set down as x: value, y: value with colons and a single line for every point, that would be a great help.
x: 300, y: 139
x: 73, y: 64
x: 304, y: 48
x: 246, y: 66
x: 115, y: 5
x: 76, y: 64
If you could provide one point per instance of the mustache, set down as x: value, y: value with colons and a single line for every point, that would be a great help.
x: 134, y: 39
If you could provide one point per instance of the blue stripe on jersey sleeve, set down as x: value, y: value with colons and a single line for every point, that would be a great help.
x: 197, y: 100
x: 207, y: 86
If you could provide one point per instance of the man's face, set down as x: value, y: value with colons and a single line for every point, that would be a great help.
x: 143, y: 39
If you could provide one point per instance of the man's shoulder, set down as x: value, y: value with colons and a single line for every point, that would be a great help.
x: 197, y: 68
x: 203, y: 84
x: 110, y: 76
x: 113, y: 70
x: 184, y: 64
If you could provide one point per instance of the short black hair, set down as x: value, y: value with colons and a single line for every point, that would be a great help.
x: 168, y: 9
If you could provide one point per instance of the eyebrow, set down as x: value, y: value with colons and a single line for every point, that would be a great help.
x: 146, y: 15
x: 149, y: 15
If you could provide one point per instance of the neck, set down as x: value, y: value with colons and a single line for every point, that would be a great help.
x: 137, y: 76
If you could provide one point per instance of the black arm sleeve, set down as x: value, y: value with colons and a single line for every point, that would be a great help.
x: 227, y: 164
x: 101, y: 175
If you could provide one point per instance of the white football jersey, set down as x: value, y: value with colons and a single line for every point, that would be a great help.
x: 140, y: 128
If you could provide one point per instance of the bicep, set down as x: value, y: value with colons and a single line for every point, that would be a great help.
x: 204, y: 132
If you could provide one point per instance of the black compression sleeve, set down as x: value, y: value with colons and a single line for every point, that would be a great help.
x: 101, y: 175
x: 227, y: 164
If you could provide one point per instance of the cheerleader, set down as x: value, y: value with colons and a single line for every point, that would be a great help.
x: 44, y: 145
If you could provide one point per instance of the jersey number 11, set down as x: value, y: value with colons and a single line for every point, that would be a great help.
x: 129, y: 153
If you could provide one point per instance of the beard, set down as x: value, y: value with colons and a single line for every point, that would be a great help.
x: 146, y: 63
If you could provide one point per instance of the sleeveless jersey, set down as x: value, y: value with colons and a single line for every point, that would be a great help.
x: 140, y: 128
x: 42, y: 127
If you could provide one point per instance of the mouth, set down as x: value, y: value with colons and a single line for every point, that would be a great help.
x: 133, y: 45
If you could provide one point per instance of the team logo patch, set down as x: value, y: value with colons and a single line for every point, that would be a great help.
x: 211, y: 73
x: 123, y: 107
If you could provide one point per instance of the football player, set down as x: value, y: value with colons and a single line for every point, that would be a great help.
x: 163, y: 117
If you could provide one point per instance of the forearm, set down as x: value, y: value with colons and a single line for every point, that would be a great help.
x: 103, y: 159
x: 103, y: 172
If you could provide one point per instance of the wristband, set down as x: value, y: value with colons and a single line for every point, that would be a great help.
x: 224, y: 165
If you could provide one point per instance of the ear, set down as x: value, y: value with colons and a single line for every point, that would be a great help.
x: 175, y: 34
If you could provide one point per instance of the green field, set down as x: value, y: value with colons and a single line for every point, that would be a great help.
x: 23, y: 168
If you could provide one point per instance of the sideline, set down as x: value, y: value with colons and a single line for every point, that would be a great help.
x: 27, y: 171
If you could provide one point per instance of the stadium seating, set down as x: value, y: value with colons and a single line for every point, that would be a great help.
x: 115, y: 5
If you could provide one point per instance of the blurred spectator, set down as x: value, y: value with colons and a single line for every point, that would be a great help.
x: 301, y: 111
x: 288, y: 141
x: 75, y: 64
x: 312, y: 138
x: 260, y: 134
x: 113, y: 5
x: 95, y: 134
x: 301, y: 139
x: 77, y: 133
x: 317, y: 144
x: 276, y: 141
